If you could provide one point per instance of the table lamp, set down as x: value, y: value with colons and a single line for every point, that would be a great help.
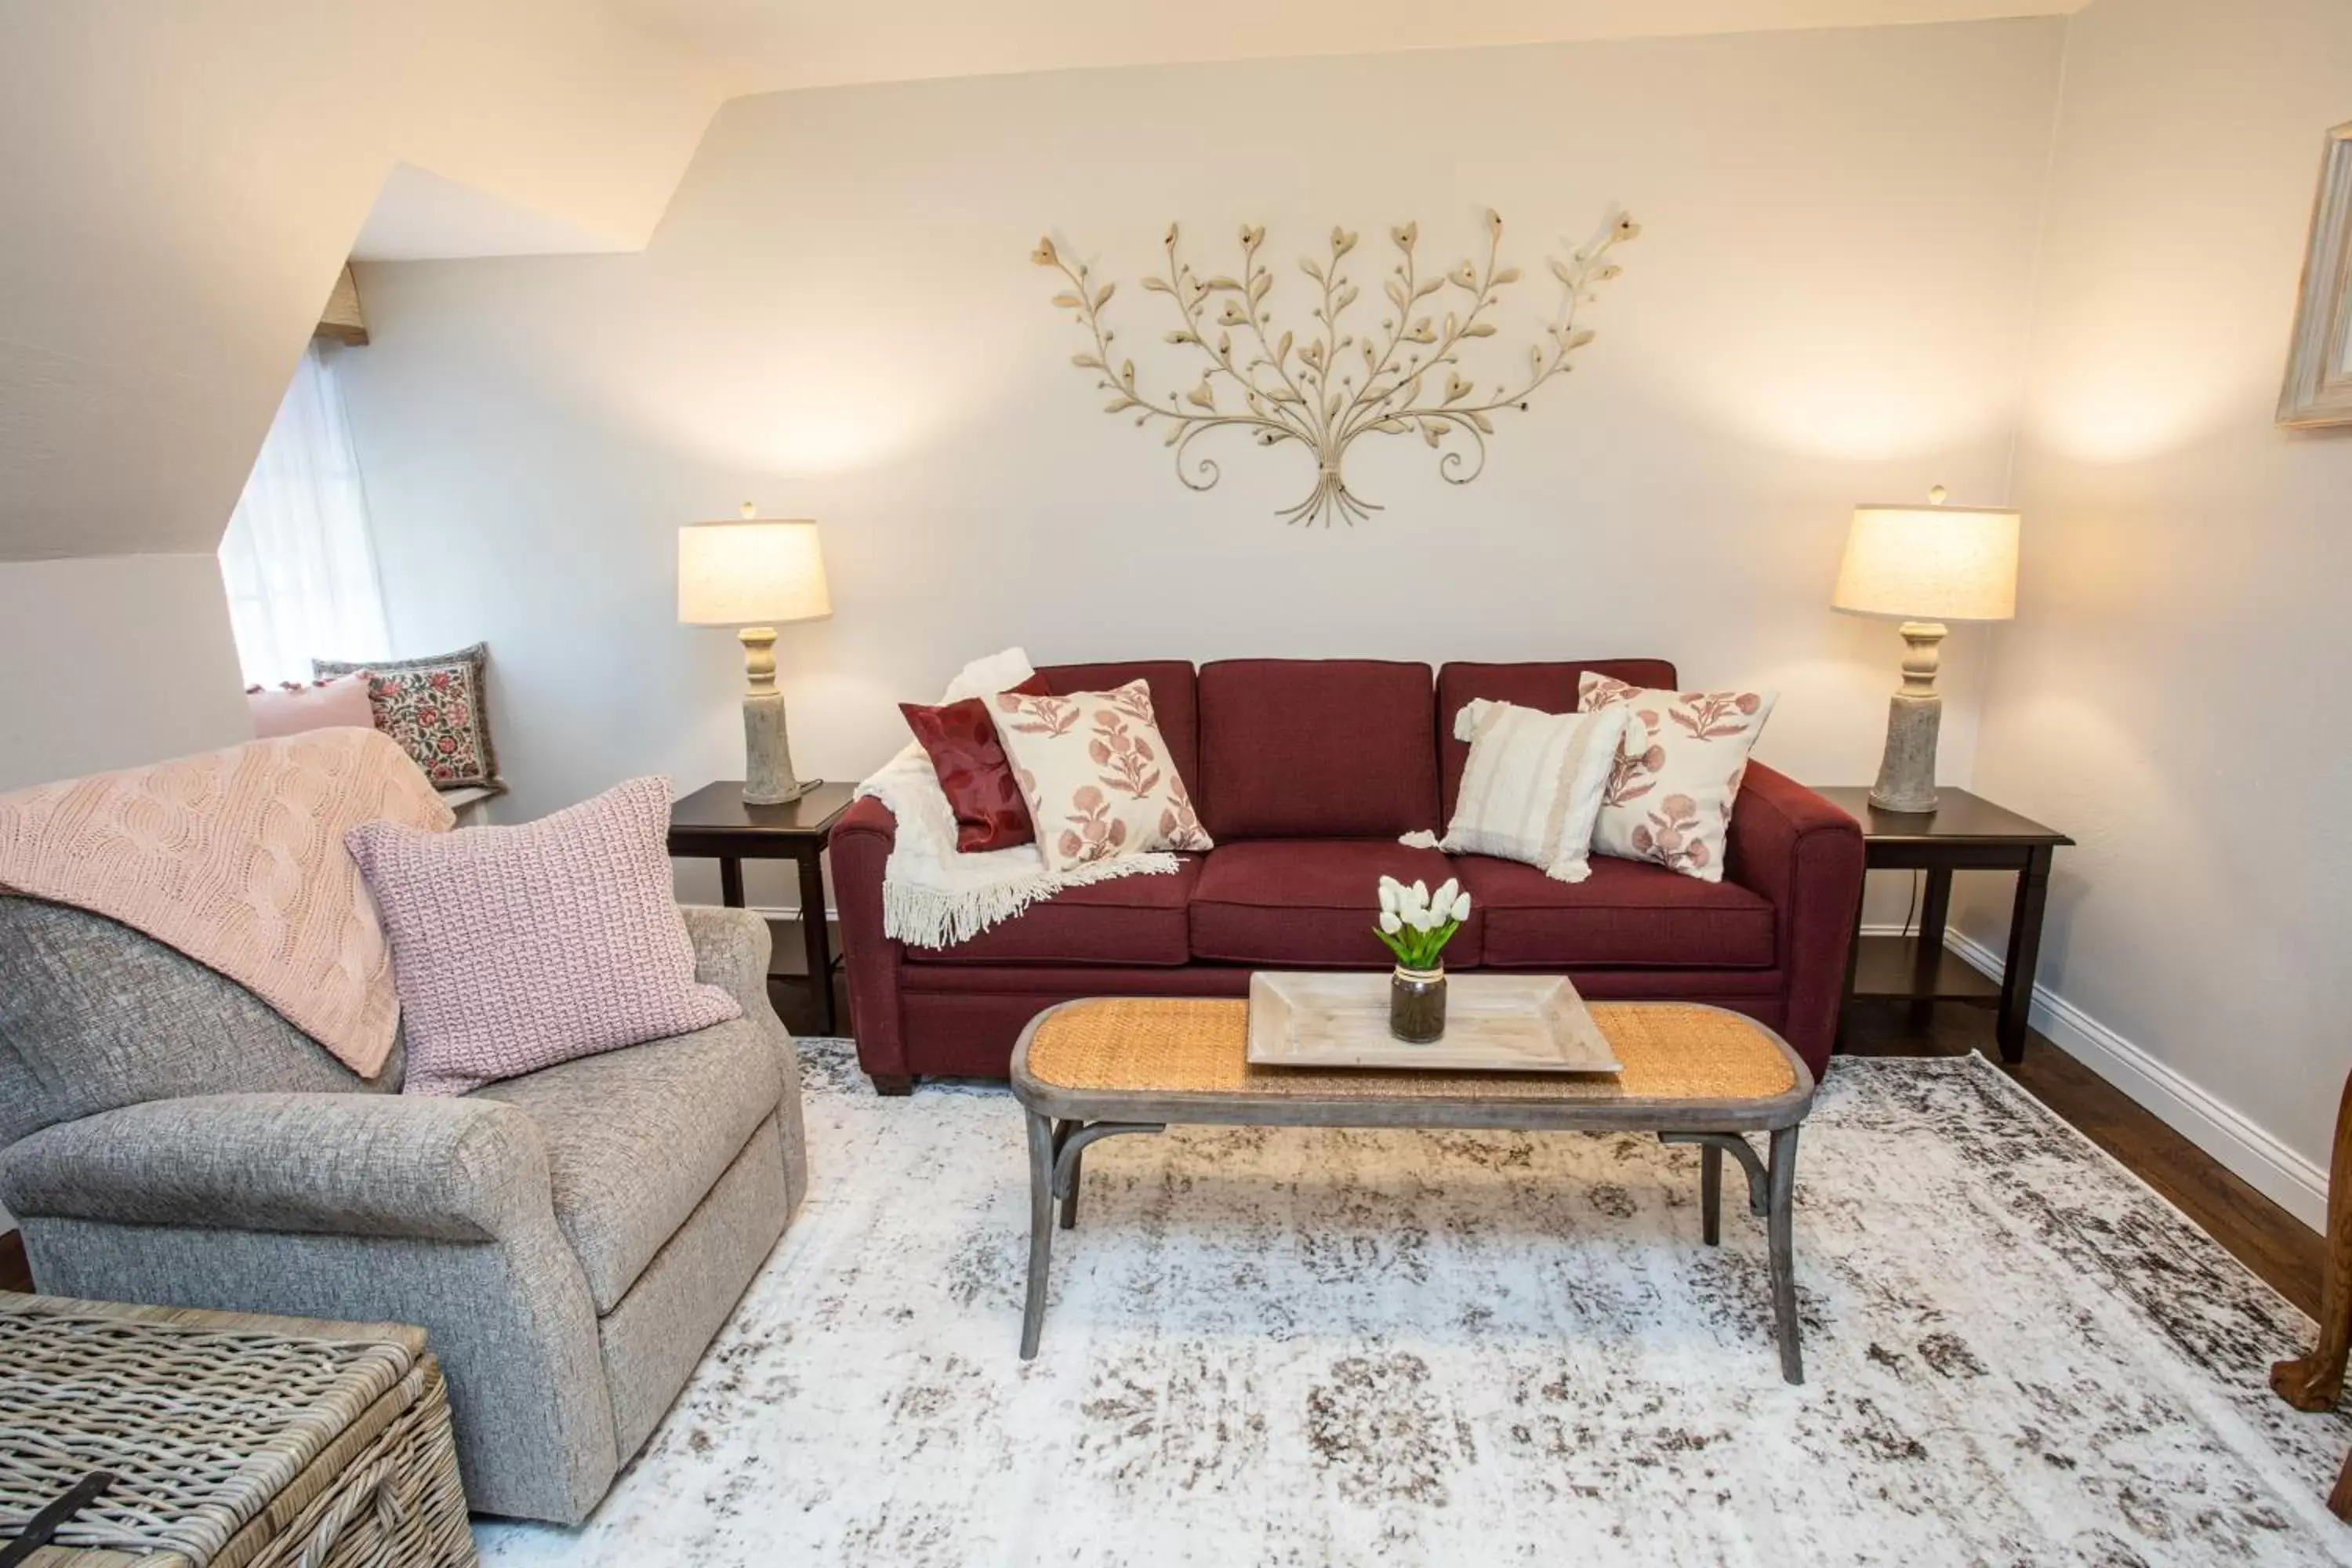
x: 752, y: 575
x: 1925, y: 564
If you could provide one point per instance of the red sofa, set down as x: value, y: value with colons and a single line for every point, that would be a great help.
x: 1305, y: 771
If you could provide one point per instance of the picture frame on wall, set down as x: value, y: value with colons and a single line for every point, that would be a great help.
x: 2318, y: 388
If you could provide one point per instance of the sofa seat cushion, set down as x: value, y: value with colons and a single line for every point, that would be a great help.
x: 1126, y: 921
x: 1626, y: 914
x: 1311, y: 901
x: 636, y: 1138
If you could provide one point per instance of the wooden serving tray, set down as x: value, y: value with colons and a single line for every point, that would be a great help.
x: 1494, y: 1023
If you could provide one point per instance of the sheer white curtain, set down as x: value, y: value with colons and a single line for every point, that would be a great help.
x: 297, y: 559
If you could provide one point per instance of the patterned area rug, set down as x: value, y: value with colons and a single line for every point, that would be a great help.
x: 1309, y: 1348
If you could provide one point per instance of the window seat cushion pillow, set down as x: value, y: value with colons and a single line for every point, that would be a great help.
x: 434, y: 708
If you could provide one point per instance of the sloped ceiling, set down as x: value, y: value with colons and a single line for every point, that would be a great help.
x: 182, y: 183
x: 762, y: 45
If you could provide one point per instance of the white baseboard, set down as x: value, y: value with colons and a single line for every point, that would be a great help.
x: 2257, y: 1158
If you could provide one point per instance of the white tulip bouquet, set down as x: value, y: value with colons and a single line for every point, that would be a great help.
x: 1417, y: 924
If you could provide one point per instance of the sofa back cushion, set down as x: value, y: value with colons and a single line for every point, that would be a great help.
x: 1300, y: 748
x: 1175, y: 707
x: 95, y: 1016
x: 1550, y: 686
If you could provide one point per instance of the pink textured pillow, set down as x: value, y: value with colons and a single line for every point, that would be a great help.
x: 517, y: 948
x: 289, y: 710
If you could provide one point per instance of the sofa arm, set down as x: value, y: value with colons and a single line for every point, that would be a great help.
x: 1803, y: 854
x: 731, y: 951
x: 861, y: 844
x: 346, y: 1164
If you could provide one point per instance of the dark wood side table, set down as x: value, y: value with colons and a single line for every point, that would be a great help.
x: 713, y: 823
x: 1964, y: 833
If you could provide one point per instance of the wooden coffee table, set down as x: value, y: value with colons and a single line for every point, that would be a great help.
x: 1097, y: 1068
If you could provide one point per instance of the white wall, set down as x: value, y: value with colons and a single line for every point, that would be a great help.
x: 838, y: 320
x: 113, y: 672
x: 2171, y: 693
x: 180, y: 188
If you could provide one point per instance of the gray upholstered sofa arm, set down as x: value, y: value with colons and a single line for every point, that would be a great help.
x: 342, y: 1164
x: 730, y: 952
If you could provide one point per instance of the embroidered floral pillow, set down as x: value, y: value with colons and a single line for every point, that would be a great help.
x: 433, y: 707
x: 1095, y: 772
x: 1669, y: 796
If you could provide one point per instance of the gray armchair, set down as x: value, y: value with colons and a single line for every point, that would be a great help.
x: 571, y: 1240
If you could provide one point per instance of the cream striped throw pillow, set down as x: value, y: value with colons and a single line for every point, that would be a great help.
x: 1532, y: 790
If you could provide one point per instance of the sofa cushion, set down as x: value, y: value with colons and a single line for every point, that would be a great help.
x: 637, y: 1136
x: 1175, y: 707
x: 1551, y: 687
x: 1300, y: 748
x: 1128, y: 920
x: 1311, y: 901
x: 1625, y: 915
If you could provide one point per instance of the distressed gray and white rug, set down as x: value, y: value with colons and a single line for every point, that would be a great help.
x: 1458, y: 1349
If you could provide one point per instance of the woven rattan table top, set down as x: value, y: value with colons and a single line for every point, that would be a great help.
x: 1180, y: 1046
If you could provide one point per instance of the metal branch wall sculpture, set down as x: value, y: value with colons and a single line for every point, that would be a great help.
x: 1327, y: 385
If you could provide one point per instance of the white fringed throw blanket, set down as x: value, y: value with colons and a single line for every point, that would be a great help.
x: 933, y: 896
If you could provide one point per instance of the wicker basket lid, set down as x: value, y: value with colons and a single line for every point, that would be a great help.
x: 202, y: 1418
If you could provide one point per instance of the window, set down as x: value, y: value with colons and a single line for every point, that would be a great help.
x: 297, y: 559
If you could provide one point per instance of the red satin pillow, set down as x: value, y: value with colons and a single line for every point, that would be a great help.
x: 960, y: 740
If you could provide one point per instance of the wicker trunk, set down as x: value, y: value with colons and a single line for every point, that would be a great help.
x: 234, y: 1440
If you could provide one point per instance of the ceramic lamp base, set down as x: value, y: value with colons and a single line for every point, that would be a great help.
x: 768, y: 775
x: 1914, y: 715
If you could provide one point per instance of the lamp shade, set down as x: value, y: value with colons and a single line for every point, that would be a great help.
x: 746, y: 573
x: 1931, y: 563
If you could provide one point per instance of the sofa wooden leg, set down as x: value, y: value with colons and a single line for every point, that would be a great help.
x: 891, y: 1085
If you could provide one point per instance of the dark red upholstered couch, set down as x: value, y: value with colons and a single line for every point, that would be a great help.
x: 1306, y: 771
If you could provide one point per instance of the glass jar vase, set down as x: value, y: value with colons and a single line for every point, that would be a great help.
x: 1417, y: 1003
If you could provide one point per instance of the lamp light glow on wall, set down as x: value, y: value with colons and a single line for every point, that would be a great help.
x: 1925, y: 565
x: 755, y: 575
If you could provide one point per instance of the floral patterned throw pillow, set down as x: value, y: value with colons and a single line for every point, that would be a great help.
x: 1095, y: 772
x: 433, y: 707
x: 1669, y: 796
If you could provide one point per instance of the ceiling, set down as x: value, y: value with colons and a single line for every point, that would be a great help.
x: 761, y: 46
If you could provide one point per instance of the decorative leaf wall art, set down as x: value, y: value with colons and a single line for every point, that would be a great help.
x: 1324, y: 385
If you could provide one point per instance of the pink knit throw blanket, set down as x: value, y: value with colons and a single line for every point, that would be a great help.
x: 237, y: 858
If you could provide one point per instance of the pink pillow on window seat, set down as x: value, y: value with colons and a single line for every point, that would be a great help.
x: 289, y: 708
x: 517, y: 947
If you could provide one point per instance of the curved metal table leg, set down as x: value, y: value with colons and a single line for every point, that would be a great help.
x: 1054, y: 1149
x: 1710, y: 1194
x: 1782, y: 1228
x: 1067, y: 1193
x: 1042, y: 1141
x: 1069, y: 1148
x: 1740, y: 1149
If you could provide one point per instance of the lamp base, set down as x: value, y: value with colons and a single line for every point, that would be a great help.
x: 768, y: 775
x: 1907, y: 772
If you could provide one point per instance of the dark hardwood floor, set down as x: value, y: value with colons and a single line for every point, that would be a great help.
x: 2265, y: 1237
